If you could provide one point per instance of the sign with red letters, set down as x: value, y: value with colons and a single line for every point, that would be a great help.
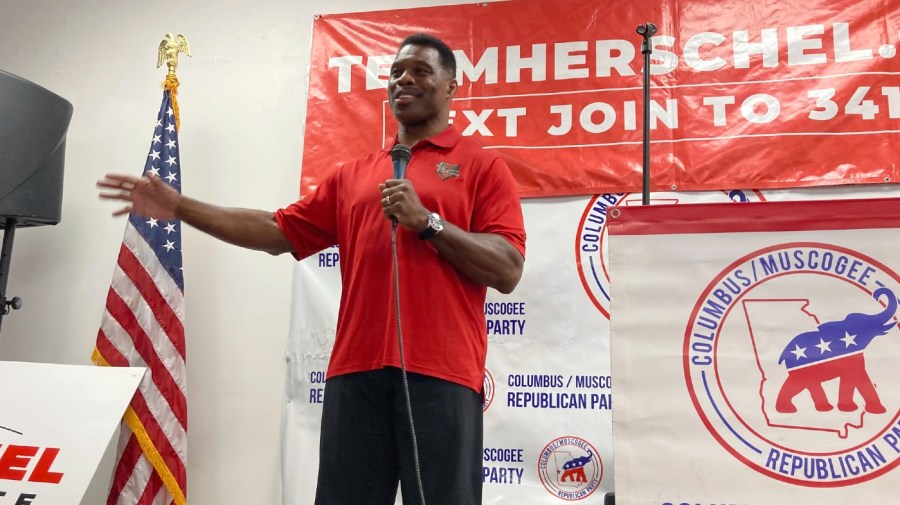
x: 55, y: 423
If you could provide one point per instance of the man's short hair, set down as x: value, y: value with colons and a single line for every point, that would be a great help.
x: 447, y: 58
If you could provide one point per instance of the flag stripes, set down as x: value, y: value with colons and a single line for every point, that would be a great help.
x: 143, y: 326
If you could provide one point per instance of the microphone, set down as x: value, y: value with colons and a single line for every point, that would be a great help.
x: 400, y: 155
x: 646, y: 30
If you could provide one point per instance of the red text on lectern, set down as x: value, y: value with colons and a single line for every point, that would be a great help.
x: 28, y: 463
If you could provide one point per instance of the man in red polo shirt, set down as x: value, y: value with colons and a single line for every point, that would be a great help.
x: 459, y: 230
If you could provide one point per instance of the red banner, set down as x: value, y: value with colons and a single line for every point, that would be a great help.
x: 744, y: 93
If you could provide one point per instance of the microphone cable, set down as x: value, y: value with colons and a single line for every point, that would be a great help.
x: 401, y: 155
x: 412, y: 426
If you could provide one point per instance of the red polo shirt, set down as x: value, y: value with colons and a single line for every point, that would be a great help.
x: 442, y: 312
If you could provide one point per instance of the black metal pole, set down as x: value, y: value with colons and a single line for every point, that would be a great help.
x: 9, y: 234
x: 646, y: 30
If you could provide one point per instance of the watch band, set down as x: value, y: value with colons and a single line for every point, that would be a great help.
x: 435, y: 225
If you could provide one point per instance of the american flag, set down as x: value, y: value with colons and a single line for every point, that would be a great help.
x: 143, y: 326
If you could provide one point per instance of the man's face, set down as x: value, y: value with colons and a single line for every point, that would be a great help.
x: 419, y: 89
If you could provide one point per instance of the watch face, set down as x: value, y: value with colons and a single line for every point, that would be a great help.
x: 435, y: 225
x: 435, y: 222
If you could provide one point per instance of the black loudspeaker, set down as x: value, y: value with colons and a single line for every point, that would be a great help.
x: 33, y: 126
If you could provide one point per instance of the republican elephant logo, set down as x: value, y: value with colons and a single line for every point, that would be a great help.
x: 835, y: 350
x: 573, y: 470
x: 783, y: 352
x: 570, y: 468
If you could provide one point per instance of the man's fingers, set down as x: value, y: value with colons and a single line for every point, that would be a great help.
x: 103, y: 183
x: 122, y: 186
x: 118, y: 181
x: 121, y: 178
x: 122, y: 211
x: 114, y: 196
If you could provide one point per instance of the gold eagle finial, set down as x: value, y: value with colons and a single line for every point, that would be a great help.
x: 169, y: 48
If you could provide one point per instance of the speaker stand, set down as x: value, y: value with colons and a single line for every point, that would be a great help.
x: 15, y: 303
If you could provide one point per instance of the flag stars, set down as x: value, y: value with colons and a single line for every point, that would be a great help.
x: 799, y: 352
x: 158, y: 123
x: 171, y: 178
x: 823, y: 346
x: 170, y: 112
x: 171, y: 161
x: 153, y: 223
x: 169, y: 245
x: 848, y: 340
x: 170, y: 228
x: 154, y: 171
x: 170, y: 144
x: 154, y: 155
x: 156, y: 139
x: 170, y: 128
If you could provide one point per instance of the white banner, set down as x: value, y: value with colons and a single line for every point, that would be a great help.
x: 754, y: 352
x: 548, y: 422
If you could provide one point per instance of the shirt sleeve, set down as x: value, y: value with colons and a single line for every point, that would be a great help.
x: 310, y: 223
x: 497, y: 208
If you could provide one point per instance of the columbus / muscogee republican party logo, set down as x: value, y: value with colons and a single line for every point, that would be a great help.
x: 591, y: 252
x: 488, y: 395
x: 789, y: 357
x: 570, y: 468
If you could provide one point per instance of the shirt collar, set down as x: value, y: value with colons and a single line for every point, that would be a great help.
x: 447, y: 139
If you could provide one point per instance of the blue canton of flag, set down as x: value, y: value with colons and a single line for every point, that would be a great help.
x: 162, y: 161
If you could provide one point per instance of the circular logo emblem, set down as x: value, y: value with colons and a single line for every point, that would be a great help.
x: 570, y: 468
x: 488, y: 395
x: 591, y: 253
x: 789, y: 361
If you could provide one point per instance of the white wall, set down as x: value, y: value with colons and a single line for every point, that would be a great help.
x: 243, y: 106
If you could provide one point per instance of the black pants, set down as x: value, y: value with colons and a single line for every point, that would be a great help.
x: 366, y: 446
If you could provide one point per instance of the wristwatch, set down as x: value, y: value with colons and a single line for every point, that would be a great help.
x: 435, y: 226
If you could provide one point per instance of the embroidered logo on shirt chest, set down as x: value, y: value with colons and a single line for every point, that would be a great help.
x: 447, y: 170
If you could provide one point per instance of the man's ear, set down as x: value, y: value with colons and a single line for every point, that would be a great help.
x: 451, y: 88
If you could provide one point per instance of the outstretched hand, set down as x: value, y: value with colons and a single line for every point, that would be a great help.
x: 147, y: 196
